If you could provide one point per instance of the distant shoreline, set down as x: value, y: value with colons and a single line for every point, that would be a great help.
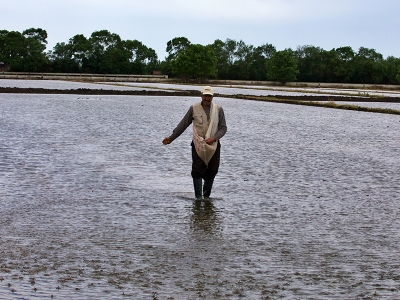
x: 194, y: 93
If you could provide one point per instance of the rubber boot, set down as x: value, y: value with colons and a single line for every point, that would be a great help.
x: 208, y: 183
x: 198, y: 183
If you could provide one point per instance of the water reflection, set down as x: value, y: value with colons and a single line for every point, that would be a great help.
x: 205, y: 217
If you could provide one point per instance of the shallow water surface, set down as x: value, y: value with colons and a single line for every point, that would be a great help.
x: 64, y: 85
x: 93, y: 206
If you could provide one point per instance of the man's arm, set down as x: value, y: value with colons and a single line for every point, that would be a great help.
x: 183, y: 124
x: 221, y: 125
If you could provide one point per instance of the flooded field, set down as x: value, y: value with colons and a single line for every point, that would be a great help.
x: 253, y: 90
x: 62, y: 85
x: 337, y: 91
x: 93, y: 206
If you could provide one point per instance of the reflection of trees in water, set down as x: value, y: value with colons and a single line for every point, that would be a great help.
x: 205, y: 217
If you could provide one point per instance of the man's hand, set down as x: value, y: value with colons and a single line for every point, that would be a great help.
x: 166, y: 141
x: 210, y: 141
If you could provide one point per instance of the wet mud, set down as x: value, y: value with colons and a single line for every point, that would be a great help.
x: 93, y: 206
x: 191, y: 92
x: 85, y: 91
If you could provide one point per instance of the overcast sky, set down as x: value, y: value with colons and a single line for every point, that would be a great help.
x: 283, y: 23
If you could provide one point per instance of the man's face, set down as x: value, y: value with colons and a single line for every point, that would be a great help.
x: 206, y: 99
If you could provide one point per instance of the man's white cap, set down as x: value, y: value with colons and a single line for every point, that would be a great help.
x: 207, y: 90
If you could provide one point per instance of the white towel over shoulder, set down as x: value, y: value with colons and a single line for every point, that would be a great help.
x: 204, y: 150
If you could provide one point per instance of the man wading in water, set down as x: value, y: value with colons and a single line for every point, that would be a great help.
x: 208, y: 127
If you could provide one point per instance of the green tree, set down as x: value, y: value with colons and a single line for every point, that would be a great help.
x: 233, y: 59
x: 35, y: 44
x: 368, y: 66
x: 62, y: 59
x: 330, y: 60
x: 103, y: 57
x: 103, y: 53
x: 24, y: 52
x: 196, y: 61
x: 80, y: 51
x: 391, y: 68
x: 311, y: 63
x: 282, y: 66
x: 176, y: 45
x: 243, y: 54
x: 12, y: 49
x: 343, y: 67
x: 142, y: 60
x: 222, y: 59
x: 37, y: 34
x: 230, y: 52
x: 237, y: 60
x: 398, y: 75
x: 259, y: 58
x: 225, y: 53
x: 150, y: 59
x: 71, y: 57
x: 165, y: 67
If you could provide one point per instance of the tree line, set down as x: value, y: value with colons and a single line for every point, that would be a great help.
x: 106, y: 53
x: 102, y: 53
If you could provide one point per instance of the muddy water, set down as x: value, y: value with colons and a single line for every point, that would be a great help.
x: 93, y: 206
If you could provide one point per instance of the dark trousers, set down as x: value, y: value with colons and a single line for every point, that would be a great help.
x: 199, y: 168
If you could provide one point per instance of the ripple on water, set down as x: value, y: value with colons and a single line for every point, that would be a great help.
x: 93, y: 206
